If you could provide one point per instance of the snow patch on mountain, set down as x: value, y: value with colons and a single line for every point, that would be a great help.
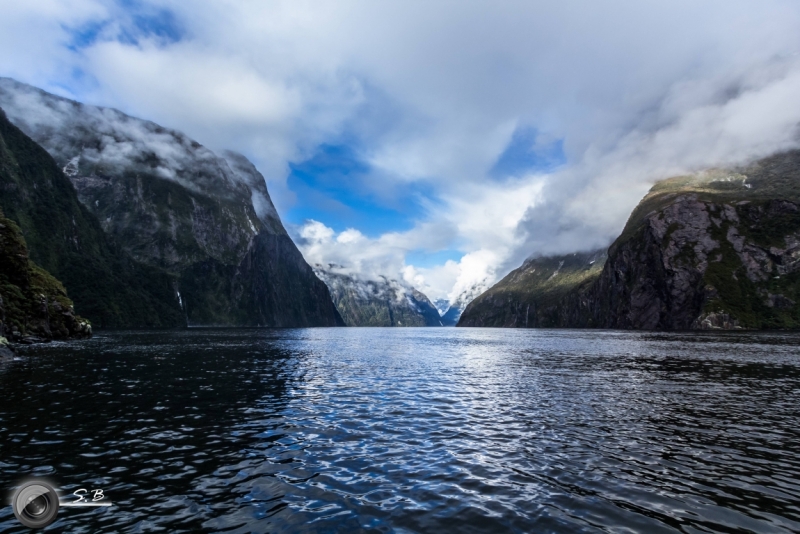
x: 91, y: 140
x: 382, y: 302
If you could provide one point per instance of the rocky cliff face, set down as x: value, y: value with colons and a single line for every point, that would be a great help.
x: 107, y: 285
x: 202, y: 219
x: 33, y: 304
x: 719, y: 249
x: 378, y: 303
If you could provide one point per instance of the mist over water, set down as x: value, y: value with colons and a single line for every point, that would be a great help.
x: 410, y: 430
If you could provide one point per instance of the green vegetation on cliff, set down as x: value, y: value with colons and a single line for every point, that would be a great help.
x: 531, y: 295
x: 107, y: 286
x: 32, y: 301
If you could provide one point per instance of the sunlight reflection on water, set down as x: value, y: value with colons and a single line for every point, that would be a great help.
x: 421, y: 430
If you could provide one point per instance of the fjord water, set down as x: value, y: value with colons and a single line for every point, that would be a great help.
x: 410, y: 430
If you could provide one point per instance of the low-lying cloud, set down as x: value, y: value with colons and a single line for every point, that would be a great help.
x: 484, y: 220
x: 90, y: 139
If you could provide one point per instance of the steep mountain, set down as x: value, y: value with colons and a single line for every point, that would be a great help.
x: 530, y: 296
x: 378, y: 303
x: 107, y: 286
x: 458, y: 304
x: 717, y: 249
x: 452, y: 314
x: 441, y: 305
x: 33, y: 304
x: 203, y: 220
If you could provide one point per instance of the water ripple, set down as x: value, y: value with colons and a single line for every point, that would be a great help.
x: 411, y: 430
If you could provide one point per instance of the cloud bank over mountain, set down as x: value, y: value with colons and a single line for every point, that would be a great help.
x: 521, y: 128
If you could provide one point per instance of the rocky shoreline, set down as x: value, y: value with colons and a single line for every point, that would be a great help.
x: 34, y: 306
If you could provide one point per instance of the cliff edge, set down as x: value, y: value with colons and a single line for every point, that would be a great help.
x: 719, y: 249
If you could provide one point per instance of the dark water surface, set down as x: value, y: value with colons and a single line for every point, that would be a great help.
x: 411, y: 430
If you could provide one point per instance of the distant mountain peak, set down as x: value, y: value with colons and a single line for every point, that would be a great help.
x: 377, y: 302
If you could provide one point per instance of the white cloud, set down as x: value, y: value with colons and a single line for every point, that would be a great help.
x: 484, y: 220
x: 431, y: 93
x: 34, y: 37
x: 352, y: 253
x: 588, y: 204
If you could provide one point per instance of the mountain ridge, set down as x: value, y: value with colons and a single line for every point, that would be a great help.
x: 384, y: 302
x: 529, y: 296
x: 64, y: 238
x: 204, y: 221
x: 717, y: 249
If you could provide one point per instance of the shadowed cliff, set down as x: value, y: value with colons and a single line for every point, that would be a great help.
x: 106, y: 285
x: 202, y: 223
x: 33, y: 304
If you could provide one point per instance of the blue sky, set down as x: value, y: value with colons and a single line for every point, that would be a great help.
x: 333, y: 187
x: 336, y: 187
x: 529, y: 151
x: 140, y: 21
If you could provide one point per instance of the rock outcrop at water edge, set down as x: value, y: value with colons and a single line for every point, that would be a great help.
x: 33, y: 305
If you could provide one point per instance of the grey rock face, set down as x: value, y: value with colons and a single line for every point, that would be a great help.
x: 693, y: 266
x: 718, y: 250
x: 169, y: 200
x: 177, y: 206
x: 656, y: 280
